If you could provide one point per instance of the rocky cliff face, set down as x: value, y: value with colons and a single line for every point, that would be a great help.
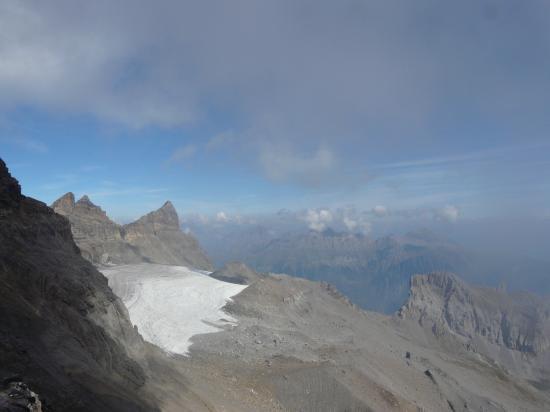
x: 510, y: 330
x: 158, y: 238
x: 519, y: 322
x: 155, y: 238
x: 63, y: 332
x: 99, y: 238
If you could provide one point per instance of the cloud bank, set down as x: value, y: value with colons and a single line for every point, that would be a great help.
x: 315, y: 75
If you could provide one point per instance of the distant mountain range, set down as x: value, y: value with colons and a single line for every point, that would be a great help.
x: 373, y: 272
x: 154, y: 238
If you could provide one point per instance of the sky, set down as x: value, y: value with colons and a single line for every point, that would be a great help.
x: 386, y: 108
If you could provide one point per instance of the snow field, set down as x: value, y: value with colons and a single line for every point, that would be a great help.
x: 171, y: 304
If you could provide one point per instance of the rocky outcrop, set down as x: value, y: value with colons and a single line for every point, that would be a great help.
x: 158, y: 238
x: 16, y: 396
x: 99, y: 238
x: 155, y: 238
x: 444, y: 303
x: 63, y: 331
x: 237, y: 272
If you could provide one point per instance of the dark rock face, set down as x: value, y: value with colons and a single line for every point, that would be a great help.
x: 237, y: 272
x: 155, y: 238
x: 16, y: 396
x: 63, y: 331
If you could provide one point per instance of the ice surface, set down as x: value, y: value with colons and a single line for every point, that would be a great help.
x: 170, y: 304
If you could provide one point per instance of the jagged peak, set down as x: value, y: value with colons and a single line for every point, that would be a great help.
x: 165, y: 215
x: 435, y: 278
x: 67, y: 196
x: 169, y: 207
x: 85, y: 205
x: 65, y: 204
x: 85, y: 199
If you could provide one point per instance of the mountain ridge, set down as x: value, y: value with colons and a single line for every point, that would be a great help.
x: 155, y: 237
x: 513, y: 329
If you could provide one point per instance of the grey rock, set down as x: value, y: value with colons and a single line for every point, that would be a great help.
x: 237, y: 272
x: 519, y: 322
x: 509, y: 329
x: 155, y: 237
x: 337, y: 357
x: 63, y: 331
x: 158, y: 238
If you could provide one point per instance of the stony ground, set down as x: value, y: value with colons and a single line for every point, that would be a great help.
x: 300, y: 346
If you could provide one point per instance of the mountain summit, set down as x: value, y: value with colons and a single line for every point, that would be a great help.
x: 154, y: 238
x: 158, y: 238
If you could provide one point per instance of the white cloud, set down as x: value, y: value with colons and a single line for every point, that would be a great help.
x: 350, y: 224
x: 353, y: 220
x: 332, y: 75
x: 380, y: 211
x: 222, y: 217
x: 318, y: 219
x: 449, y: 213
x: 135, y: 63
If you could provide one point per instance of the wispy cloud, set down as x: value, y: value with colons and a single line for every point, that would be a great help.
x: 475, y: 156
x: 284, y: 165
x: 221, y: 140
x: 61, y: 182
x: 101, y: 193
x: 25, y: 143
x: 183, y: 153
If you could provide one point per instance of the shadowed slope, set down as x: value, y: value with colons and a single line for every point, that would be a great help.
x: 63, y: 331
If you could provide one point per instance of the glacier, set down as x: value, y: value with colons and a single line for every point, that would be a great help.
x: 171, y: 304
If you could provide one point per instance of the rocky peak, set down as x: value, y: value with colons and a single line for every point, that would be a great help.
x: 155, y: 237
x: 167, y: 214
x: 163, y: 218
x: 10, y: 191
x: 85, y: 206
x: 85, y: 201
x: 65, y: 204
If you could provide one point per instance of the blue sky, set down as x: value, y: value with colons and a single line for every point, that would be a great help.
x: 247, y: 107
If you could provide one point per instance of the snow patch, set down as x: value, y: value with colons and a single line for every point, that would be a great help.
x: 170, y: 304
